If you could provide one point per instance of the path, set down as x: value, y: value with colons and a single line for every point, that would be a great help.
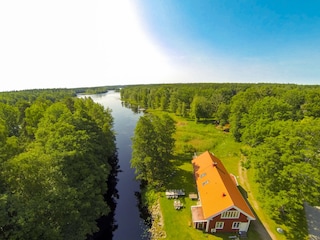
x: 263, y: 230
x: 313, y: 219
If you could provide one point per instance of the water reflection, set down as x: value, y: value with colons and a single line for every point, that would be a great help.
x: 107, y: 224
x: 134, y: 108
x: 126, y: 220
x: 145, y: 215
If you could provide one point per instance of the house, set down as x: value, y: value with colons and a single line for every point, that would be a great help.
x: 221, y: 206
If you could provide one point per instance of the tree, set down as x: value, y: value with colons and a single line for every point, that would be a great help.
x: 296, y: 98
x: 240, y: 105
x: 10, y: 117
x: 257, y: 123
x: 311, y: 106
x: 181, y: 109
x: 287, y: 169
x: 33, y: 115
x: 173, y: 102
x: 152, y: 146
x: 222, y: 113
x: 201, y: 107
x: 55, y: 189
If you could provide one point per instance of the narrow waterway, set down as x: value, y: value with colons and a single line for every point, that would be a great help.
x: 129, y: 224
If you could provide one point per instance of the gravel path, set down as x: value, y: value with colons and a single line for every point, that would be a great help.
x: 263, y: 230
x: 313, y: 219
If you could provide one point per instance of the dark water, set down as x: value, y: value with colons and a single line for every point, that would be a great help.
x: 128, y: 223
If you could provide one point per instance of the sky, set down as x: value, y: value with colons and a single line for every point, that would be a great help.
x: 77, y: 43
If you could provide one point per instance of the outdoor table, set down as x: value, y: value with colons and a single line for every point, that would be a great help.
x: 174, y: 193
x: 177, y: 204
x: 193, y: 196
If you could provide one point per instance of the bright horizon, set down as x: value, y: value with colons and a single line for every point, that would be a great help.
x: 69, y: 44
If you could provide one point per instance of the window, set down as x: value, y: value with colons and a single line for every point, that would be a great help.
x: 201, y: 225
x: 230, y: 214
x: 202, y: 175
x: 219, y: 225
x: 205, y: 183
x: 235, y: 225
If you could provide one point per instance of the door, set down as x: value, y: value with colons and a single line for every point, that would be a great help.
x: 243, y: 227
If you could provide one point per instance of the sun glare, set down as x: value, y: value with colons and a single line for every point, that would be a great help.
x: 76, y: 43
x: 130, y: 54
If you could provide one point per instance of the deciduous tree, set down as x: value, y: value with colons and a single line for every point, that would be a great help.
x: 152, y: 146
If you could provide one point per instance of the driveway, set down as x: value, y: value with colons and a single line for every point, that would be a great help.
x: 313, y: 220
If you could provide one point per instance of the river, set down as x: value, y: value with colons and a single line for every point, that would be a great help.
x: 129, y: 224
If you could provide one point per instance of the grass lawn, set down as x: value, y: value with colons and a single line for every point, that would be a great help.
x: 177, y: 223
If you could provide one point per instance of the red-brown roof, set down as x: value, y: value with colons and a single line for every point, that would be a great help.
x: 217, y: 190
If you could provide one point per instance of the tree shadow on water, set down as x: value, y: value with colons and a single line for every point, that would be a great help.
x: 107, y: 224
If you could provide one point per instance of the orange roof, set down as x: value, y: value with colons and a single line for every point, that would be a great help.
x: 217, y: 191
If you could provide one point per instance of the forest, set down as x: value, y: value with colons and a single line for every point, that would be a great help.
x: 55, y: 154
x: 278, y: 125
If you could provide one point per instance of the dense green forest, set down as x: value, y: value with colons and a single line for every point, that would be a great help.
x: 54, y: 155
x: 278, y: 124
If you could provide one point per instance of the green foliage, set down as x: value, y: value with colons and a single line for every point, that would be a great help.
x: 311, y: 107
x: 279, y: 123
x: 258, y: 122
x: 152, y: 146
x: 222, y: 114
x: 201, y: 107
x: 177, y: 98
x: 173, y: 103
x: 288, y: 169
x: 10, y: 116
x: 33, y: 115
x: 54, y: 168
x: 240, y: 105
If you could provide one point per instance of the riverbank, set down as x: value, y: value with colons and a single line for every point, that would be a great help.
x: 156, y: 229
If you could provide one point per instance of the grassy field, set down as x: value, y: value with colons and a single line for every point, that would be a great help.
x: 202, y: 137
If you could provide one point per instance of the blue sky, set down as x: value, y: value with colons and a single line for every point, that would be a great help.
x: 271, y: 41
x: 76, y: 43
